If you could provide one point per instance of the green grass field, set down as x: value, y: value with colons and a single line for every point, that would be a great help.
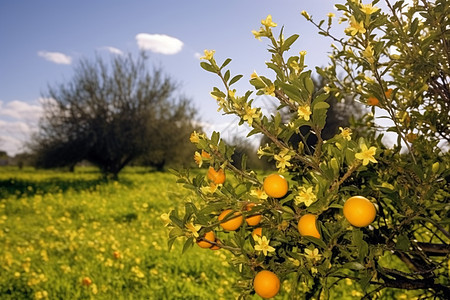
x: 74, y: 236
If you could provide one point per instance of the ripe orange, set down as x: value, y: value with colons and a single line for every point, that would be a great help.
x: 207, y: 236
x: 307, y: 226
x: 275, y: 185
x: 373, y: 101
x: 257, y: 231
x: 217, y: 246
x: 86, y: 281
x: 266, y: 284
x: 253, y: 220
x: 218, y: 177
x: 231, y: 224
x: 359, y: 211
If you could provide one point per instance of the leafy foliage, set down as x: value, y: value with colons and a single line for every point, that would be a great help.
x: 407, y: 182
x: 113, y: 115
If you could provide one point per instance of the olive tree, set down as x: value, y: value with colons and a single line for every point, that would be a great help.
x: 112, y: 114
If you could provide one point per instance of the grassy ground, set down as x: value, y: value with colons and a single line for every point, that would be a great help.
x: 73, y: 236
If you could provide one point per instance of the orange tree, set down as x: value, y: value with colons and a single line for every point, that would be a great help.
x: 393, y: 233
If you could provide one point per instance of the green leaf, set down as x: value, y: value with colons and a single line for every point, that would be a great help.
x: 277, y: 70
x: 320, y: 98
x: 235, y: 79
x: 403, y: 243
x: 208, y: 67
x: 321, y: 105
x: 309, y: 84
x: 316, y: 241
x: 226, y: 62
x: 176, y: 232
x: 357, y: 237
x: 170, y: 242
x: 341, y: 7
x: 292, y: 92
x: 363, y: 251
x: 215, y: 138
x: 188, y: 244
x: 288, y: 42
x: 226, y: 76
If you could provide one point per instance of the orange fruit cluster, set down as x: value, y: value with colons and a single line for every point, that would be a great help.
x: 207, y: 240
x: 358, y: 210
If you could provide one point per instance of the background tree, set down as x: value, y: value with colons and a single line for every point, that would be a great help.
x: 112, y: 115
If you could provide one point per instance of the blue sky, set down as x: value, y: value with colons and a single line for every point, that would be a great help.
x: 42, y: 40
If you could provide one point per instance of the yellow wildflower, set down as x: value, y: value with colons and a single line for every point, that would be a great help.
x: 254, y: 75
x: 368, y: 9
x: 294, y: 65
x: 366, y: 155
x: 268, y: 22
x: 282, y: 159
x: 263, y: 245
x: 355, y: 27
x: 306, y: 15
x: 331, y: 15
x: 258, y: 34
x: 313, y: 254
x: 208, y: 54
x: 138, y: 272
x: 294, y: 261
x: 41, y: 295
x: 198, y: 159
x: 259, y: 193
x: 210, y: 189
x: 195, y: 137
x: 269, y: 90
x: 193, y: 229
x: 368, y: 53
x: 250, y: 115
x: 304, y: 112
x: 306, y: 196
x: 232, y: 94
x: 166, y: 221
x: 346, y: 133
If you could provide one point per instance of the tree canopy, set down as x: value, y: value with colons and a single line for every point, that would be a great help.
x: 113, y: 114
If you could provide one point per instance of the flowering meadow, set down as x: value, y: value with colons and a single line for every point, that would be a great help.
x: 73, y: 236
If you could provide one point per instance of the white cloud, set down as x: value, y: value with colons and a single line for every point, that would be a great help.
x: 21, y: 110
x: 56, y: 57
x: 18, y: 121
x: 159, y: 43
x: 114, y: 50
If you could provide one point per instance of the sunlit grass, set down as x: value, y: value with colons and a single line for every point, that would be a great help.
x: 72, y: 236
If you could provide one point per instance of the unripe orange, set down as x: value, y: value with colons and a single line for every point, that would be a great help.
x: 231, y: 224
x: 359, y: 211
x: 307, y: 226
x: 275, y: 185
